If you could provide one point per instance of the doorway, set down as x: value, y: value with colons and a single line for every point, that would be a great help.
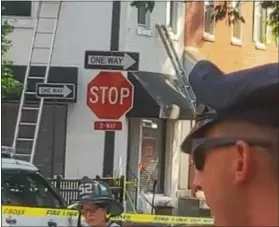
x: 146, y: 156
x: 50, y: 153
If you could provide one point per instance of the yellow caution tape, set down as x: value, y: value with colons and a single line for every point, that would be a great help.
x: 136, y: 218
x: 37, y: 212
x: 161, y: 219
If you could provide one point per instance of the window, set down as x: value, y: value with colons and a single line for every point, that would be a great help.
x: 269, y: 35
x: 25, y: 188
x: 152, y: 155
x: 260, y: 23
x: 172, y: 15
x: 209, y: 22
x: 143, y: 15
x: 237, y: 26
x: 16, y: 8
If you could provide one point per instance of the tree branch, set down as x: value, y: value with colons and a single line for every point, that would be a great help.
x: 224, y: 10
x: 9, y: 85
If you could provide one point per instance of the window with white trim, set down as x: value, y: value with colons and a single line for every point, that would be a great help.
x: 260, y: 23
x: 269, y: 35
x: 143, y: 16
x: 172, y: 15
x: 16, y: 8
x: 209, y: 22
x: 237, y: 26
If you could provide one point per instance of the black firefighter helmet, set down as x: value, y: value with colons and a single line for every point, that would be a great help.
x: 98, y: 192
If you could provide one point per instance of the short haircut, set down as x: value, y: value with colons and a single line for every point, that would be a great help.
x: 239, y: 128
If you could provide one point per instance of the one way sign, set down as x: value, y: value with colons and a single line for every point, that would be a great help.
x: 112, y: 60
x: 56, y: 91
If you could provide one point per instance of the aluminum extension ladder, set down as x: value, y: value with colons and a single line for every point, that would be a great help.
x: 179, y: 69
x: 43, y: 21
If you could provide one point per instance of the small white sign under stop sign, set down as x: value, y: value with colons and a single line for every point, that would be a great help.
x: 109, y: 95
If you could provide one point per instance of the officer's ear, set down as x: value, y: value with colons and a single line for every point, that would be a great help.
x: 243, y: 170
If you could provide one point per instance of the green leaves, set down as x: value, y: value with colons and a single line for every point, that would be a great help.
x: 5, y: 42
x: 273, y: 19
x: 226, y: 11
x: 9, y: 85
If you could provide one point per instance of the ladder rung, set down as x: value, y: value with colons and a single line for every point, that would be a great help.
x: 30, y: 93
x: 28, y: 123
x: 41, y: 48
x: 30, y: 108
x: 47, y: 18
x: 24, y: 106
x: 38, y: 63
x: 25, y: 139
x: 22, y: 155
x: 35, y: 78
x: 47, y: 33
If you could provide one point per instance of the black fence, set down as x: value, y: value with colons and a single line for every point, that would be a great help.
x: 68, y: 188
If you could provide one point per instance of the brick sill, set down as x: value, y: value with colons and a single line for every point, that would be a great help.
x: 208, y: 37
x: 236, y: 42
x: 260, y: 46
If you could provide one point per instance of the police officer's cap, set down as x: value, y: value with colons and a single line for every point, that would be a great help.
x: 249, y: 95
x: 97, y: 192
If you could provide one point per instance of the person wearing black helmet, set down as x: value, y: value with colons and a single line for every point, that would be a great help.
x: 96, y: 202
x: 234, y: 143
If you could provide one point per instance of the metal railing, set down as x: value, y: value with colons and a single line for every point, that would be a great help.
x: 68, y: 188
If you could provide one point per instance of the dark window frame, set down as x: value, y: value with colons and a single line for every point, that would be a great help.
x: 21, y: 9
x: 143, y: 16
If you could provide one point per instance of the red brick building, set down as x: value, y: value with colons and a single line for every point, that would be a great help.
x: 233, y: 47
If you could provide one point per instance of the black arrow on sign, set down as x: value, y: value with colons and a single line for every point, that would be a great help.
x: 112, y: 60
x: 56, y: 90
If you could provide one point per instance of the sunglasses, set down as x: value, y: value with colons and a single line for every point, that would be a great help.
x: 201, y: 145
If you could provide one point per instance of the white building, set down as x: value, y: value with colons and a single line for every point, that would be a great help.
x: 87, y: 26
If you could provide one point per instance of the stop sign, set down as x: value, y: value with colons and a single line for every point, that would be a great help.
x: 110, y: 95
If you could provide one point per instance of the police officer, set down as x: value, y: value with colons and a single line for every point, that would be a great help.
x: 234, y: 143
x: 96, y: 202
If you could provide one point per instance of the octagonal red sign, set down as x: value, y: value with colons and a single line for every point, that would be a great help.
x: 110, y: 95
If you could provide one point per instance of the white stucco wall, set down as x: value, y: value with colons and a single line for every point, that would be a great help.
x: 78, y: 30
x: 153, y: 57
x: 86, y: 26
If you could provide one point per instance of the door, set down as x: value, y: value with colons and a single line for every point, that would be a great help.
x: 50, y: 153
